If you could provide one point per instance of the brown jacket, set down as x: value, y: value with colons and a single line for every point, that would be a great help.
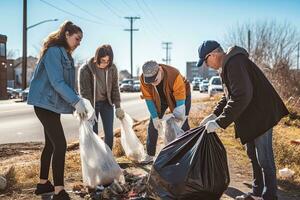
x: 87, y: 83
x: 176, y: 87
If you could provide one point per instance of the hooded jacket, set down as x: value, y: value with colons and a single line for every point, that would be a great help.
x: 250, y: 101
x: 87, y: 83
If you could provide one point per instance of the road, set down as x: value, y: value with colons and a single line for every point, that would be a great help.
x: 18, y: 122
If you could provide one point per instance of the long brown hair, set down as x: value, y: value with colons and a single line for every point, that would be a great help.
x: 102, y: 51
x: 59, y: 37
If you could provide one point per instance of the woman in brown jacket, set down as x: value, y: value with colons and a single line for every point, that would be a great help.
x: 98, y: 82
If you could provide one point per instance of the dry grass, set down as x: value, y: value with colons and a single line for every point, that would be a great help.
x: 21, y: 167
x: 286, y: 154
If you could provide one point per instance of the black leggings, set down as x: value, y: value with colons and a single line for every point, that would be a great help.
x: 55, y: 145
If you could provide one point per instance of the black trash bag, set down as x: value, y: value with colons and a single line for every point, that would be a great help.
x: 194, y: 166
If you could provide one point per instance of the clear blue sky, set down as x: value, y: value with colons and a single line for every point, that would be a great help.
x: 184, y: 23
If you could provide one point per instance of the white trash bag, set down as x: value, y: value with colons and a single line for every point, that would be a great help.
x: 98, y: 164
x: 286, y: 173
x: 132, y: 146
x: 171, y: 128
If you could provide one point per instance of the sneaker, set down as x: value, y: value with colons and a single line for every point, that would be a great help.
x: 62, y: 195
x: 147, y: 160
x: 44, y: 189
x: 248, y: 197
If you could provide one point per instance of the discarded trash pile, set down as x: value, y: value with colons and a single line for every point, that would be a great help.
x: 134, y: 188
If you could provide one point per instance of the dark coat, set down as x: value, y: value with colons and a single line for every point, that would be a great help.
x: 250, y: 101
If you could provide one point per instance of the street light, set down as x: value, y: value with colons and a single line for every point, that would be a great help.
x: 25, y: 28
x: 48, y: 20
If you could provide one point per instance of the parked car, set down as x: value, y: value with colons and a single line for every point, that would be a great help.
x: 24, y: 94
x: 127, y: 85
x: 14, y: 93
x: 10, y: 92
x: 136, y: 86
x: 215, y: 86
x: 196, y: 81
x: 203, y: 87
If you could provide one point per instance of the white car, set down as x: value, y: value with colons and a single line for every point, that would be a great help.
x: 215, y: 86
x: 203, y: 87
x: 136, y: 86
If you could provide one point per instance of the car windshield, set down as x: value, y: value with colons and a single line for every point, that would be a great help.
x: 216, y: 81
x: 204, y: 82
x: 127, y: 81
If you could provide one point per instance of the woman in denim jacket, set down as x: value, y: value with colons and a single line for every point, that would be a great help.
x: 52, y: 93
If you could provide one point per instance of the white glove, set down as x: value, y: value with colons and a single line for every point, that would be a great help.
x: 211, y: 126
x: 93, y: 119
x: 179, y: 112
x: 207, y: 118
x: 81, y: 109
x: 157, y: 123
x: 120, y: 113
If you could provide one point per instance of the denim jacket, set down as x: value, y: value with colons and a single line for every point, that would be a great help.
x: 53, y: 82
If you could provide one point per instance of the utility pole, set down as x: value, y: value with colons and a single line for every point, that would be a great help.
x: 249, y: 41
x: 131, y: 19
x: 167, y: 47
x: 298, y: 49
x: 24, y: 59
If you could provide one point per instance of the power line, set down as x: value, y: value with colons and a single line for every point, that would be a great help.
x: 154, y: 34
x: 110, y: 8
x: 128, y: 6
x: 91, y: 14
x: 84, y: 10
x: 131, y: 19
x: 154, y: 17
x: 167, y: 47
x: 69, y: 13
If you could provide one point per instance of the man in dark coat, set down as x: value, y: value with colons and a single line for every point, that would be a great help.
x: 251, y: 102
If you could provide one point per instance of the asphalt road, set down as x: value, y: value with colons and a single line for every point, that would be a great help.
x: 18, y: 122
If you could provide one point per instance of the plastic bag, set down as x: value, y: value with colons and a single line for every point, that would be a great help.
x: 194, y: 166
x: 132, y: 146
x: 98, y: 164
x: 286, y: 173
x: 171, y: 128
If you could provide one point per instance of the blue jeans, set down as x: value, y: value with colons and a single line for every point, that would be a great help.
x: 152, y: 133
x: 107, y: 115
x: 260, y: 152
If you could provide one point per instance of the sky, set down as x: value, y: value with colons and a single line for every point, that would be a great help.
x: 184, y: 23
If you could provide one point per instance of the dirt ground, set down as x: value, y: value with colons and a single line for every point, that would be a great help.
x: 20, y: 164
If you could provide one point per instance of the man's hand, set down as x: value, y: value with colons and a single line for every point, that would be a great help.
x: 179, y: 112
x: 211, y: 126
x: 207, y: 118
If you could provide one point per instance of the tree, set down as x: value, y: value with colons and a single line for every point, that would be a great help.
x: 271, y: 43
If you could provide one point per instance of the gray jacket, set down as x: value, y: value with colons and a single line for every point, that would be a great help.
x: 87, y: 83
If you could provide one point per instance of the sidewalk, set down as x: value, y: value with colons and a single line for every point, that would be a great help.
x: 10, y: 101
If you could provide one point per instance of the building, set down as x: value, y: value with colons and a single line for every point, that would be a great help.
x: 17, y: 70
x: 3, y: 67
x: 193, y: 71
x: 10, y: 73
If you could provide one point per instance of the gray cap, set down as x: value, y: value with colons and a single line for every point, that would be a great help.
x: 150, y: 71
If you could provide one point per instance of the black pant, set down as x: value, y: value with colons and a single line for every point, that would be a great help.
x: 55, y: 145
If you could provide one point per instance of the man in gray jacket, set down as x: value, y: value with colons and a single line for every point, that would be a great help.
x: 98, y: 82
x: 251, y: 102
